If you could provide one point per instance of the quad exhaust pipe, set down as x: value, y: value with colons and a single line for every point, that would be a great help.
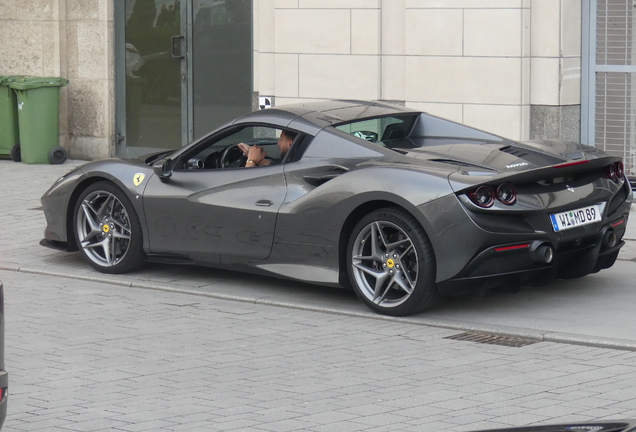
x: 542, y: 253
x: 609, y: 239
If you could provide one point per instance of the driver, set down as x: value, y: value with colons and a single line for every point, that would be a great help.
x: 256, y: 155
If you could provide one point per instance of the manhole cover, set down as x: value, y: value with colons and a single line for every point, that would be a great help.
x: 485, y: 338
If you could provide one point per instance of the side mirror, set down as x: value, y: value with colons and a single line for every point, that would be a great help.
x: 163, y: 168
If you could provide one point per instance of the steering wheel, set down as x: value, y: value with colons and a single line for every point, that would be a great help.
x: 231, y: 155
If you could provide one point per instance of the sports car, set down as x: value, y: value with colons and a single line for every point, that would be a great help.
x: 400, y: 205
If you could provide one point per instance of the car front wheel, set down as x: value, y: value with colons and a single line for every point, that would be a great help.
x: 107, y: 229
x: 391, y: 263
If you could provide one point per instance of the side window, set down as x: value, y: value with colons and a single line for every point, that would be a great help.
x: 222, y: 151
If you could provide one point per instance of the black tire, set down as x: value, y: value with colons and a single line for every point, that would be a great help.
x: 398, y: 277
x: 15, y: 153
x: 57, y: 155
x: 107, y: 229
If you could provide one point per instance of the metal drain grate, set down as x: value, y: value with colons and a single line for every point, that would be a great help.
x: 485, y: 338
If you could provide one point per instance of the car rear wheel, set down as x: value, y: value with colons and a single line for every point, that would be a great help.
x: 391, y: 263
x: 107, y: 229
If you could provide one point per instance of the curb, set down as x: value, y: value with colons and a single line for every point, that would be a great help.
x: 537, y: 335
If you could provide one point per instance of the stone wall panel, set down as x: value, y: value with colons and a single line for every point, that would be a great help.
x: 333, y: 76
x: 87, y: 104
x: 8, y: 10
x: 82, y: 10
x: 464, y: 80
x: 37, y: 10
x: 322, y: 31
x: 21, y: 50
x: 92, y: 53
x: 434, y: 32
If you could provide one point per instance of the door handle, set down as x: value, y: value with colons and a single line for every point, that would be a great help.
x: 172, y: 48
x: 264, y: 203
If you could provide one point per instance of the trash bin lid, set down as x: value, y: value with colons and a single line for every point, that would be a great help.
x: 8, y: 77
x: 26, y: 83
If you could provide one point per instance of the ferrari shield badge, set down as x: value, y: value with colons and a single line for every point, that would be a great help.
x: 138, y: 178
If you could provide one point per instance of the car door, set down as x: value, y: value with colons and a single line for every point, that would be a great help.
x: 210, y: 213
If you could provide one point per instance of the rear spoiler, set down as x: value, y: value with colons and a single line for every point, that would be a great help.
x: 459, y: 182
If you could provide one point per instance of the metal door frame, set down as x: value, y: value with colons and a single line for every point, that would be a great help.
x: 120, y: 75
x: 588, y: 72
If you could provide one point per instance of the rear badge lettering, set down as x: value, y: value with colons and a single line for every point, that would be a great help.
x: 517, y: 165
x: 138, y: 178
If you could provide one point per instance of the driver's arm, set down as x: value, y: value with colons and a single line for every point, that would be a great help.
x: 255, y: 155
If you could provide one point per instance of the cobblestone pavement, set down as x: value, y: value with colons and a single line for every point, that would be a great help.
x: 214, y: 350
x: 89, y: 356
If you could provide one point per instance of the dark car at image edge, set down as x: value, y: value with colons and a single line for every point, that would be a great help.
x: 599, y: 426
x: 400, y: 205
x: 4, y: 377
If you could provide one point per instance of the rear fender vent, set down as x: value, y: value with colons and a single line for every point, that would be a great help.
x: 490, y: 339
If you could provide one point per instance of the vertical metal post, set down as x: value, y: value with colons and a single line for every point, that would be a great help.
x: 185, y: 74
x: 630, y: 160
x: 189, y: 33
x: 588, y: 72
x: 120, y: 76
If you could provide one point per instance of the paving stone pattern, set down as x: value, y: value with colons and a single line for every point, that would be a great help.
x: 87, y: 356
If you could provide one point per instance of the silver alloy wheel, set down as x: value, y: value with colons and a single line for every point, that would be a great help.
x: 385, y: 264
x: 103, y: 228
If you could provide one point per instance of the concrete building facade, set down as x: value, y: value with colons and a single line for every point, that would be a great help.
x: 512, y: 67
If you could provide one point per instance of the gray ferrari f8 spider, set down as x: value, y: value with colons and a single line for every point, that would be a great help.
x: 402, y: 206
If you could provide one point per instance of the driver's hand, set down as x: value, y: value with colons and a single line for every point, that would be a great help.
x: 244, y: 148
x: 256, y: 154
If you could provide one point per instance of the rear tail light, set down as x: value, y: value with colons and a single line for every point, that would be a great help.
x: 484, y: 196
x: 615, y: 171
x: 611, y: 172
x: 506, y: 194
x: 620, y: 170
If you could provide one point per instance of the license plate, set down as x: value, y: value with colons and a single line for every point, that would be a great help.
x: 575, y: 218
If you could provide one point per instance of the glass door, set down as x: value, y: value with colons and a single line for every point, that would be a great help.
x: 184, y: 68
x: 154, y: 76
x: 221, y: 62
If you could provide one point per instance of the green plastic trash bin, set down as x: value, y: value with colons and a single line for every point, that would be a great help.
x: 38, y: 118
x: 9, y: 133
